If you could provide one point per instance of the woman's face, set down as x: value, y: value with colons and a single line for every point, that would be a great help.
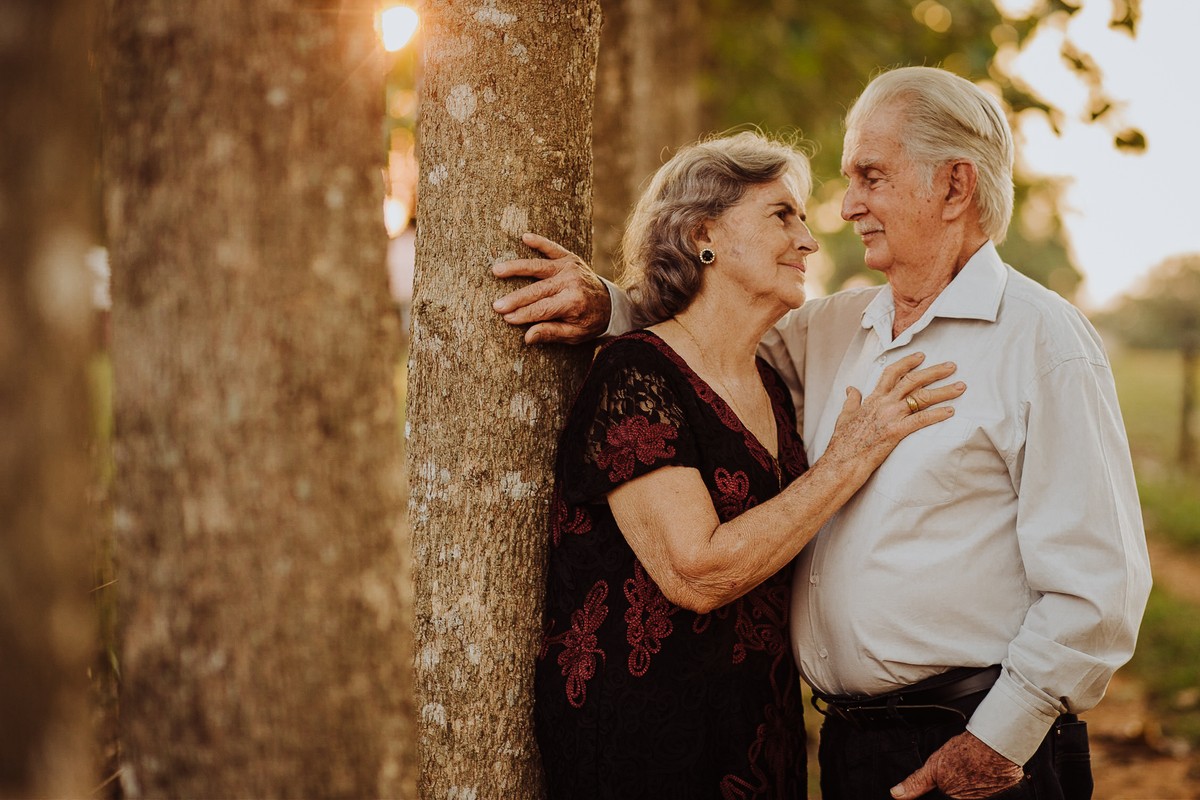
x: 761, y: 245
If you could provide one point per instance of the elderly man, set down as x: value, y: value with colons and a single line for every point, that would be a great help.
x: 983, y: 586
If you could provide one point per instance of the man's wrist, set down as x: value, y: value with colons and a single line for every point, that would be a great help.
x: 620, y: 315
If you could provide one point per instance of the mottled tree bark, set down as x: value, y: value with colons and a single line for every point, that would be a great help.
x: 506, y: 148
x: 46, y: 224
x: 647, y: 105
x: 257, y: 500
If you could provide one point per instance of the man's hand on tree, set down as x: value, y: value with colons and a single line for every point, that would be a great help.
x: 567, y: 303
x: 963, y: 767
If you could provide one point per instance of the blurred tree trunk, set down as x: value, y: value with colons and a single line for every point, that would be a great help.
x: 647, y: 105
x: 505, y: 135
x: 257, y: 506
x: 1187, y: 412
x: 46, y: 224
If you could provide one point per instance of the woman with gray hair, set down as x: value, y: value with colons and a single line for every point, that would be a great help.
x: 683, y: 493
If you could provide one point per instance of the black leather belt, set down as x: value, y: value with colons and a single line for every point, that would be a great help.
x: 950, y: 696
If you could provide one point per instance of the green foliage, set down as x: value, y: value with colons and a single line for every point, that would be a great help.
x: 1169, y: 643
x: 1171, y: 508
x: 1148, y: 383
x: 1165, y: 313
x: 797, y: 66
x: 1167, y: 654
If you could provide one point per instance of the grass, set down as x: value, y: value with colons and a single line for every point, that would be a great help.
x: 1150, y: 384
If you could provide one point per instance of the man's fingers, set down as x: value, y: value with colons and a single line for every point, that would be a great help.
x: 551, y: 307
x: 519, y: 302
x: 556, y: 332
x: 546, y: 247
x: 915, y: 785
x: 528, y: 268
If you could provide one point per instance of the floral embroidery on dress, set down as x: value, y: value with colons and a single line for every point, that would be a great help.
x: 647, y: 619
x: 578, y: 658
x: 631, y: 440
x: 762, y: 616
x: 724, y: 413
x: 734, y: 493
x: 766, y: 758
x: 564, y: 519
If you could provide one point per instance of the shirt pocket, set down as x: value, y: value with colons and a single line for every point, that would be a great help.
x: 926, y: 467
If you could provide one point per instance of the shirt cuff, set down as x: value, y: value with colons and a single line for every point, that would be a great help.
x: 1011, y: 722
x: 620, y: 318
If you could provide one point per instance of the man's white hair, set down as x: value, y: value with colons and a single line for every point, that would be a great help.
x: 948, y: 118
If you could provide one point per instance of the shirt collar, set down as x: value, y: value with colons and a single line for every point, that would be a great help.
x: 975, y: 293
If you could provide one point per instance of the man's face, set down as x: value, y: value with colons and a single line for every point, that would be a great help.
x: 897, y: 217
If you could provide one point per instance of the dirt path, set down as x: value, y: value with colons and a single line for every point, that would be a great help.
x: 1130, y: 758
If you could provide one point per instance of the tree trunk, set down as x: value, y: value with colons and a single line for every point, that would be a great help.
x: 505, y: 136
x: 257, y: 500
x: 647, y: 105
x: 46, y: 224
x: 1187, y: 410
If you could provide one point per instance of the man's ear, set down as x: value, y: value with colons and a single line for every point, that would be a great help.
x: 960, y: 189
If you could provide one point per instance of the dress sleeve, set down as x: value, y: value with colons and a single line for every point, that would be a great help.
x: 627, y: 421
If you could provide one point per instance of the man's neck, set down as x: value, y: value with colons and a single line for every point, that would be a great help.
x: 915, y: 291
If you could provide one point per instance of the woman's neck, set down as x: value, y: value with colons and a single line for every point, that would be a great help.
x: 727, y: 335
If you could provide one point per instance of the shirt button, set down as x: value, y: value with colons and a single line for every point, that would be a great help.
x: 815, y: 580
x: 823, y: 653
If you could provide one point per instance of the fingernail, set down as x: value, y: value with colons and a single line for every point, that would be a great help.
x: 498, y: 306
x: 897, y: 791
x: 960, y: 385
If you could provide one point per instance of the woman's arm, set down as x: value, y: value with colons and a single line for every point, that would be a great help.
x: 700, y: 563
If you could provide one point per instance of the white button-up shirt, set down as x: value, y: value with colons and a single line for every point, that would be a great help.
x: 1009, y: 534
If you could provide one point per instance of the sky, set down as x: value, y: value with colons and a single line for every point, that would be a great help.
x: 1124, y: 212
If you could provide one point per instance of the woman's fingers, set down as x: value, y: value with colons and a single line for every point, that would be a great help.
x: 924, y: 398
x: 892, y: 375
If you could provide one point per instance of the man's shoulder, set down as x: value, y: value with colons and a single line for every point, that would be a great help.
x: 1056, y: 323
x: 845, y: 306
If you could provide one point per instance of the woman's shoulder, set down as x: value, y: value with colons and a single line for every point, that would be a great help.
x: 640, y: 349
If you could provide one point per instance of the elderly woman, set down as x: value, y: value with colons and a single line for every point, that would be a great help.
x: 683, y: 493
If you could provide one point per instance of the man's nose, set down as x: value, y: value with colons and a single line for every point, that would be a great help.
x: 851, y: 205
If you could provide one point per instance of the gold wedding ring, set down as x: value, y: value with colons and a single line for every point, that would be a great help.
x: 913, y: 405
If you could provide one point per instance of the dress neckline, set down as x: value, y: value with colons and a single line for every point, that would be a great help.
x: 695, y: 378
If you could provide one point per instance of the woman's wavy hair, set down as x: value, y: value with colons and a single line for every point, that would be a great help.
x: 660, y: 263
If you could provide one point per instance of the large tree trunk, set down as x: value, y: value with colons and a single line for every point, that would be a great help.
x: 257, y: 504
x: 506, y: 148
x: 647, y: 105
x: 46, y: 224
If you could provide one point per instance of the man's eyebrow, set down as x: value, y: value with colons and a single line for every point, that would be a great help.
x: 862, y: 165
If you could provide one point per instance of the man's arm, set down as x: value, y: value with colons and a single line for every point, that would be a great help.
x: 1080, y: 533
x: 566, y: 303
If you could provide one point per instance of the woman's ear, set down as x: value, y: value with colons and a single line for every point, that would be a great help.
x: 960, y: 189
x: 700, y: 235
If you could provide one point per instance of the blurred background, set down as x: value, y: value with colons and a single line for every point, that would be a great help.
x: 1100, y: 96
x: 1105, y: 216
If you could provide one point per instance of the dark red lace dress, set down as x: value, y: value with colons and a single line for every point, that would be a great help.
x: 637, y: 697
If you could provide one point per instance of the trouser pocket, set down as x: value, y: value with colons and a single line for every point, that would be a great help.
x: 1072, y: 757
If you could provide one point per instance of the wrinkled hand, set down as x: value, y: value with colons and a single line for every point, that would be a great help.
x: 963, y: 767
x: 567, y: 303
x: 867, y: 430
